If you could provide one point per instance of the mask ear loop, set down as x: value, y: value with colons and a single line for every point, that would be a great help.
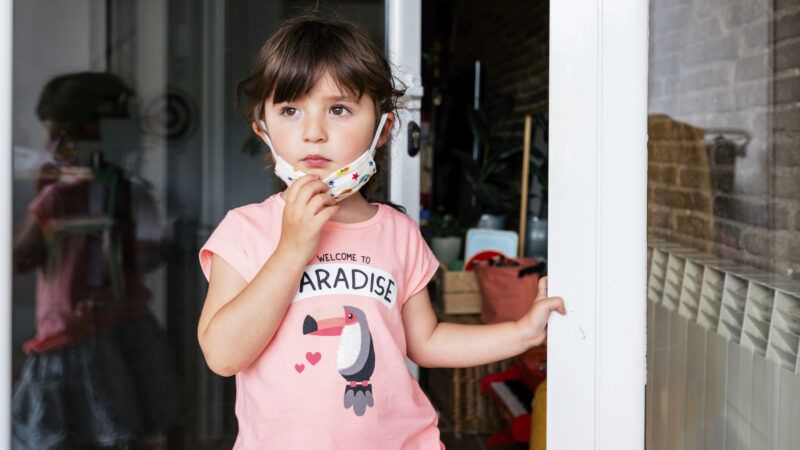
x: 263, y: 127
x: 377, y: 134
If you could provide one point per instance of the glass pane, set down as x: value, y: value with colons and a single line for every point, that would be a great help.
x: 128, y: 149
x: 724, y: 225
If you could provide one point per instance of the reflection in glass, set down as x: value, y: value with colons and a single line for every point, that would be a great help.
x: 140, y: 112
x: 98, y: 372
x: 724, y: 225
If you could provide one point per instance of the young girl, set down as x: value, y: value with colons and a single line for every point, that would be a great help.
x: 98, y: 372
x: 317, y: 295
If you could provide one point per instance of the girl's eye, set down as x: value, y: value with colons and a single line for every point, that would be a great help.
x: 339, y: 110
x: 288, y: 111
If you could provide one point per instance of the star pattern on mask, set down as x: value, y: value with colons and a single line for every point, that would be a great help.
x: 355, y: 176
x: 330, y: 183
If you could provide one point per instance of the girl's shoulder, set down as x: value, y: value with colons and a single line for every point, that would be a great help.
x: 270, y: 209
x: 398, y: 217
x: 242, y: 237
x: 255, y: 224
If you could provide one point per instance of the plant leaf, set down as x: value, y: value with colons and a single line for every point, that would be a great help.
x: 477, y: 124
x: 467, y: 163
x: 496, y: 167
x: 508, y: 151
x: 504, y: 111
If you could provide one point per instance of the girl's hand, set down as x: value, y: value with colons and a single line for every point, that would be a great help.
x: 308, y: 207
x: 533, y: 324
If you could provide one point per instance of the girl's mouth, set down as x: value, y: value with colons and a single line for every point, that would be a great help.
x: 316, y: 161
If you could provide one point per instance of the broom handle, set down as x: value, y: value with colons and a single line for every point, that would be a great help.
x: 523, y: 207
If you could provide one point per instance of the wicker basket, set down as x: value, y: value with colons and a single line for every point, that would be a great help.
x: 457, y: 393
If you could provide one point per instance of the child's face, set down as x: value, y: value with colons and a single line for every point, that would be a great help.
x: 323, y: 131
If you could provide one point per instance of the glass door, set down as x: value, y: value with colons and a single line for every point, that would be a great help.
x: 127, y: 151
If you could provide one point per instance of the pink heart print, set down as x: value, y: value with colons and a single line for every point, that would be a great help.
x: 299, y: 367
x: 313, y: 358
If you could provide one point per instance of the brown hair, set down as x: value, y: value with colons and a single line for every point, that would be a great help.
x: 75, y: 102
x: 301, y: 51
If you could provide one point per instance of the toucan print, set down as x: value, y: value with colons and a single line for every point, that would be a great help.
x: 355, y: 358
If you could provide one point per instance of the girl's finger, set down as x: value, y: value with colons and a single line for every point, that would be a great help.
x: 294, y: 188
x: 554, y: 304
x: 542, y: 289
x: 309, y: 190
x: 318, y: 202
x: 326, y: 213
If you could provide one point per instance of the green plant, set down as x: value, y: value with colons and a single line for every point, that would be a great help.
x: 495, y: 177
x: 489, y: 176
x: 445, y: 226
x: 539, y: 162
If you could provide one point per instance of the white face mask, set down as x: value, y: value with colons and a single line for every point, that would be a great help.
x: 341, y: 183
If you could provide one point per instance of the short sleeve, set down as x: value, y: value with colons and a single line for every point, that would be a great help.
x: 45, y: 206
x: 226, y: 241
x: 421, y: 263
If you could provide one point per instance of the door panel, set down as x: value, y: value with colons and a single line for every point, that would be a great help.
x: 147, y: 86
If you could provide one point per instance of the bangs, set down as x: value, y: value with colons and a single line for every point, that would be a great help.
x: 306, y: 48
x: 316, y: 51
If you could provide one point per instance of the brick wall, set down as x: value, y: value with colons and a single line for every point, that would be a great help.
x: 719, y: 68
x: 511, y: 40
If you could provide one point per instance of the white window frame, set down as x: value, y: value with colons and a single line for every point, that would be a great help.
x: 403, y: 48
x: 6, y: 180
x: 597, y: 217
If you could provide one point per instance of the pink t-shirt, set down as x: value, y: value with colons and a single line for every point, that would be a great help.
x: 64, y: 290
x: 334, y: 376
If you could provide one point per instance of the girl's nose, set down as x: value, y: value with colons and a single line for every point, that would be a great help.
x: 314, y: 131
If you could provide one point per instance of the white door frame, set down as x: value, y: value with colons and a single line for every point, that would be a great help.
x: 597, y: 216
x: 403, y: 45
x: 403, y: 48
x: 6, y: 200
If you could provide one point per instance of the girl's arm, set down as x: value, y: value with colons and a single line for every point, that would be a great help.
x: 239, y: 319
x: 29, y: 245
x: 432, y: 344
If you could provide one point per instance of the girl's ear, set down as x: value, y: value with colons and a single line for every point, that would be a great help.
x: 257, y: 130
x: 387, y: 130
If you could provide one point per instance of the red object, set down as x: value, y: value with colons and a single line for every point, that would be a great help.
x: 504, y: 294
x: 531, y: 369
x: 502, y: 437
x: 484, y: 255
x: 513, y: 373
x: 533, y: 364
